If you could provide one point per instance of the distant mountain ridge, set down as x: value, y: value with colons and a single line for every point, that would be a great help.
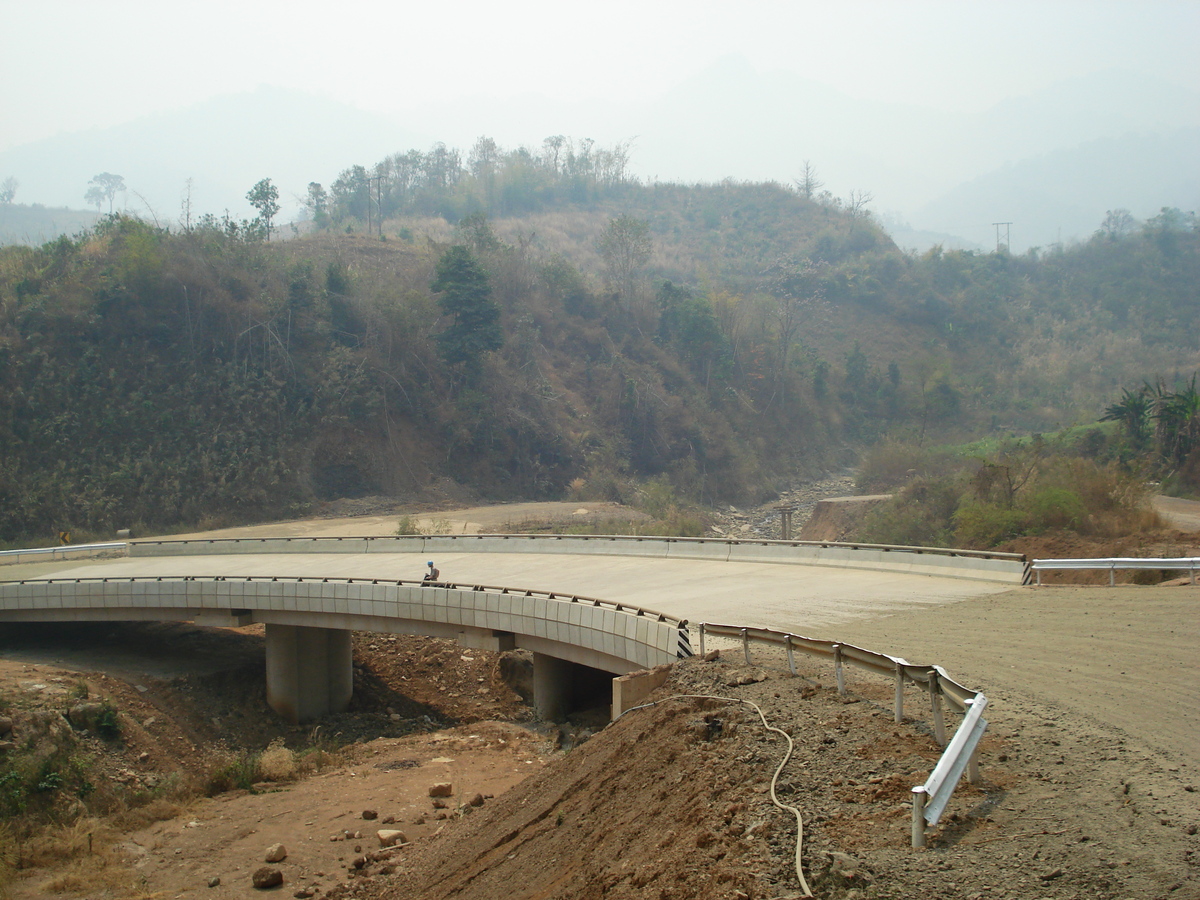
x: 1048, y: 161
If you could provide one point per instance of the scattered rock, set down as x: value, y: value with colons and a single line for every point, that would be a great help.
x: 276, y: 853
x: 441, y: 789
x: 215, y: 881
x: 370, y: 814
x: 6, y: 726
x: 266, y: 877
x: 476, y: 800
x: 390, y: 837
x: 85, y: 714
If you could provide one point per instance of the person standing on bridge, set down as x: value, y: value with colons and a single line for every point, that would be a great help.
x: 432, y: 575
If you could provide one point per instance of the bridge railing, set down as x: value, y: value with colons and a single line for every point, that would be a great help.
x: 1188, y: 564
x: 959, y: 755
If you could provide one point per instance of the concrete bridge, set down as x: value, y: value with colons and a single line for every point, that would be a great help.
x: 312, y: 593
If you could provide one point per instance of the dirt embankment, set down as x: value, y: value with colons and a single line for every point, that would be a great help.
x: 835, y: 518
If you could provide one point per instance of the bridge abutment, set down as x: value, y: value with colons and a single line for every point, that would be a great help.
x: 310, y: 671
x: 561, y: 687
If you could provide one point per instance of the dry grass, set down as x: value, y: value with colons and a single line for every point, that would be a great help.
x: 277, y: 763
x: 158, y: 810
x: 83, y: 858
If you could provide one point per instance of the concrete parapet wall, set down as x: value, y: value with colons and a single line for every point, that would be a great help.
x: 917, y: 561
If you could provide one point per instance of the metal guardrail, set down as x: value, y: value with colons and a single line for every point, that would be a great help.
x: 929, y: 799
x: 1183, y: 563
x: 15, y: 556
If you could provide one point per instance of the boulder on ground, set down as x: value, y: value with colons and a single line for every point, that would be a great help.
x: 390, y: 837
x: 441, y: 789
x: 266, y: 877
x: 276, y: 853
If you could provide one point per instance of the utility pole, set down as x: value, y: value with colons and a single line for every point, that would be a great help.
x: 378, y: 180
x: 1007, y: 235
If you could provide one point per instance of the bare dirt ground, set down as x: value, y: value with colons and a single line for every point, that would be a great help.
x: 1090, y: 766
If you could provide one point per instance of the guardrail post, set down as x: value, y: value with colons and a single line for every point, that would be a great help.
x: 935, y: 701
x: 702, y: 639
x: 746, y: 646
x: 899, y: 693
x: 1039, y: 577
x: 973, y: 775
x: 837, y: 669
x: 918, y: 817
x: 791, y: 656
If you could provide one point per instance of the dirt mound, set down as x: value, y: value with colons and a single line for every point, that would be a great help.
x: 835, y: 518
x: 673, y: 802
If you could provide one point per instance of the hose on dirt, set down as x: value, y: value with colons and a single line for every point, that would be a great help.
x: 774, y: 778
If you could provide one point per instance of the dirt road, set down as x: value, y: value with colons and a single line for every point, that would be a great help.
x: 1183, y: 514
x: 1125, y: 656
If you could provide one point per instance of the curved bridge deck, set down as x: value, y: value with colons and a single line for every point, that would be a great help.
x: 312, y: 593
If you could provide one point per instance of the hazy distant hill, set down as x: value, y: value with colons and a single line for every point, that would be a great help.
x: 1065, y: 194
x: 1051, y: 162
x: 225, y: 145
x: 21, y: 224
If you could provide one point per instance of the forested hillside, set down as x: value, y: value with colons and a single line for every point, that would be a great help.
x: 539, y: 327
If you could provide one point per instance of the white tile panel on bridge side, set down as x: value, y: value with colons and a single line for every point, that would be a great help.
x: 617, y: 639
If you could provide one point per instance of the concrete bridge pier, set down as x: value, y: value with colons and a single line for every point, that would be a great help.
x: 310, y: 671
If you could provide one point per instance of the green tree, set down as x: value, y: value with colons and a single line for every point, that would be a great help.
x: 264, y: 197
x: 103, y: 188
x: 1133, y: 412
x: 808, y: 183
x: 625, y: 246
x: 317, y: 204
x: 466, y: 296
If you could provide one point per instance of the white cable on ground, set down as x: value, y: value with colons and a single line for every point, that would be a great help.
x: 774, y: 778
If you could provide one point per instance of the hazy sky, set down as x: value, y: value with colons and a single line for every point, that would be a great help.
x: 66, y: 66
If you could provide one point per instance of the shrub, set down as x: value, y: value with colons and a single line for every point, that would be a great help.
x: 277, y: 762
x: 920, y: 515
x: 108, y: 722
x: 983, y: 525
x: 1056, y: 508
x: 236, y: 772
x: 891, y: 463
x: 412, y: 525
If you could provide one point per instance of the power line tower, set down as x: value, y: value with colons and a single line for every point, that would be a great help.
x: 1002, y: 245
